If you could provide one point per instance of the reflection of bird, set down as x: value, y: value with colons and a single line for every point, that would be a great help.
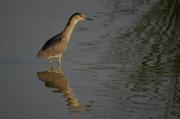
x: 55, y: 46
x: 57, y: 80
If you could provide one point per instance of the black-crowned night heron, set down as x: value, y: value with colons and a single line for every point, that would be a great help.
x: 56, y: 45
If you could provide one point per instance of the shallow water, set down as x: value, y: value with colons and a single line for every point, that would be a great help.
x: 123, y: 65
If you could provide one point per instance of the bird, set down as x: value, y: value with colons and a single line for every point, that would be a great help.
x: 56, y: 45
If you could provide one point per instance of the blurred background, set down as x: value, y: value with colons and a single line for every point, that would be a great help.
x: 123, y: 65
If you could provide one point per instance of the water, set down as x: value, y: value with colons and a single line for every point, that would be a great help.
x: 123, y: 65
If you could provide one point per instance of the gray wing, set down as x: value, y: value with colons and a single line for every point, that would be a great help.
x: 53, y: 46
x: 52, y: 41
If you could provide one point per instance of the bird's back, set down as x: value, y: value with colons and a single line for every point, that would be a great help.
x: 53, y: 46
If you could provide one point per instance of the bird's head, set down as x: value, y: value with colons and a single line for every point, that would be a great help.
x: 80, y: 17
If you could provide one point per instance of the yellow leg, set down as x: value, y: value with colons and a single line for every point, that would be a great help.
x: 59, y: 59
x: 59, y: 62
x: 59, y: 69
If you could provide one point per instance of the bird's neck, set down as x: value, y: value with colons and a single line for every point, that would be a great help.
x: 69, y: 28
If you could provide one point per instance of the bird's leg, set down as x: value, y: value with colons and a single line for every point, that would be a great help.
x: 59, y: 59
x: 59, y: 69
x: 59, y: 62
x: 51, y: 64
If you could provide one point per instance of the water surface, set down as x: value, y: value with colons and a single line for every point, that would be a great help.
x: 123, y: 65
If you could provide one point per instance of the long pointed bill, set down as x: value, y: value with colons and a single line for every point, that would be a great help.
x: 89, y: 19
